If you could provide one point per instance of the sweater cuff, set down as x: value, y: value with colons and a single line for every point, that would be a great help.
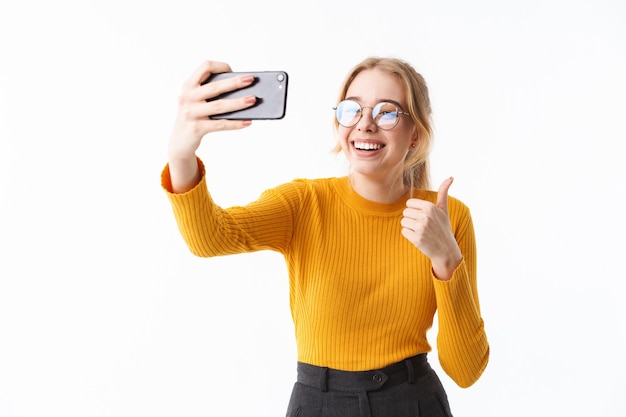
x: 166, y: 180
x: 458, y: 282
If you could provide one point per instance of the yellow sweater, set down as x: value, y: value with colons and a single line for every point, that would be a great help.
x: 362, y: 296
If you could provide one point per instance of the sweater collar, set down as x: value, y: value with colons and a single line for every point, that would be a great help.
x: 356, y: 201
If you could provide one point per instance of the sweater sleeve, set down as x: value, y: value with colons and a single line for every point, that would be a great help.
x: 461, y: 341
x: 210, y: 230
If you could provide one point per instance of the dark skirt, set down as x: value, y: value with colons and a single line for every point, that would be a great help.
x: 410, y: 388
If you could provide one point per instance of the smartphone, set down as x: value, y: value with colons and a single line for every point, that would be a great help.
x: 270, y: 88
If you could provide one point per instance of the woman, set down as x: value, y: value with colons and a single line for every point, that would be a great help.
x: 371, y: 256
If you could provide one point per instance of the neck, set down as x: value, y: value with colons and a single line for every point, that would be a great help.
x: 387, y: 190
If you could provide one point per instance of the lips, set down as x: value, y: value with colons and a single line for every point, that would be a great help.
x: 367, y: 145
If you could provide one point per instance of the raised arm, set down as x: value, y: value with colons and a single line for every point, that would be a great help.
x: 193, y: 120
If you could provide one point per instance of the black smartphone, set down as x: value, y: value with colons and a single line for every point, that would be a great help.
x: 270, y: 89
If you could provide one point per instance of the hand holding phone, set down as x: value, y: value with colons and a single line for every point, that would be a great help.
x: 270, y: 89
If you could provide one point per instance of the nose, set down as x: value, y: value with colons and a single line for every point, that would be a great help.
x: 366, y: 122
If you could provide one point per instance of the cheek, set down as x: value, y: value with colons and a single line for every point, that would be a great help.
x: 342, y: 136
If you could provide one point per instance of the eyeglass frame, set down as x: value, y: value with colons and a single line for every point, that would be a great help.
x: 396, y: 105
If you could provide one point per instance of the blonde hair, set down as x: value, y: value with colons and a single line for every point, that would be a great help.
x: 416, y: 172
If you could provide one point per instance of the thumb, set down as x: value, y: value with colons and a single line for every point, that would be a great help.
x: 442, y: 195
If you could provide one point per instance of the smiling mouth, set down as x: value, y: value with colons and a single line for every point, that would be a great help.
x: 367, y: 146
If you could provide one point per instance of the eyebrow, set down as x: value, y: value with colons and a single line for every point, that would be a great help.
x: 384, y: 100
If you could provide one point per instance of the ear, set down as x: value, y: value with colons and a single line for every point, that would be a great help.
x: 416, y: 134
x: 414, y: 139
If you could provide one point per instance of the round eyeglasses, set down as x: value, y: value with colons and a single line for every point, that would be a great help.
x: 385, y: 115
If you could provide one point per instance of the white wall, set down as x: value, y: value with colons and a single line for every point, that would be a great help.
x: 104, y: 312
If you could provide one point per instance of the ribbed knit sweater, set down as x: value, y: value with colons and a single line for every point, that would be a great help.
x: 361, y: 295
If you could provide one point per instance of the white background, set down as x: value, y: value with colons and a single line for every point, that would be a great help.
x: 104, y: 312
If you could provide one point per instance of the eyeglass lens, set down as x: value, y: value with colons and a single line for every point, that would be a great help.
x: 349, y: 113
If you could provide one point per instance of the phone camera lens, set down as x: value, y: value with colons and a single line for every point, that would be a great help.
x: 280, y: 78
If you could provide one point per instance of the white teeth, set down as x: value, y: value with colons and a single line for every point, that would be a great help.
x: 367, y: 146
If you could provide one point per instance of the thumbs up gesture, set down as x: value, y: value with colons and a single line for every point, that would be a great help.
x: 427, y: 226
